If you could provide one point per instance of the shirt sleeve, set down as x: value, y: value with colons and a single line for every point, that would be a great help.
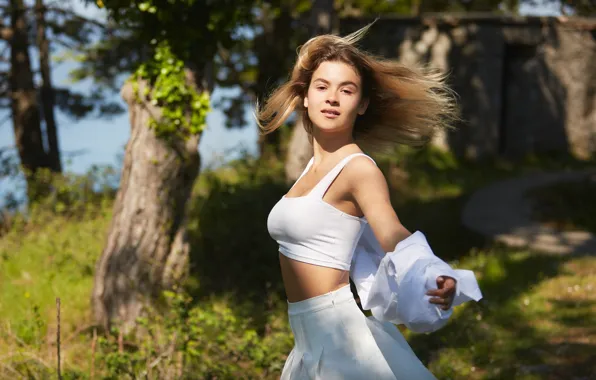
x: 393, y: 286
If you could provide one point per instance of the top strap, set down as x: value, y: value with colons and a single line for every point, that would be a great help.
x: 303, y: 172
x: 306, y: 168
x: 321, y: 188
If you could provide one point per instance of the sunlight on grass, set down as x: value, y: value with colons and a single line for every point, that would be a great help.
x: 537, y: 320
x: 53, y: 260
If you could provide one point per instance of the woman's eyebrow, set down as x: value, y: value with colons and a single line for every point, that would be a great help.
x: 347, y: 82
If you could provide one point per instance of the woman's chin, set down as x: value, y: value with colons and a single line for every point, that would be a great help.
x: 332, y: 125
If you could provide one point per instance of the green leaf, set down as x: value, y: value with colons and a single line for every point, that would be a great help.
x: 144, y: 6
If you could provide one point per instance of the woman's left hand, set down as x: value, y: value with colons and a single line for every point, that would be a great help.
x: 445, y: 293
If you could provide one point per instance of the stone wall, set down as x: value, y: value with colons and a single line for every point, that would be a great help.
x: 524, y: 84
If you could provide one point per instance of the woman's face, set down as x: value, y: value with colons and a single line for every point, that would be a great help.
x: 334, y: 97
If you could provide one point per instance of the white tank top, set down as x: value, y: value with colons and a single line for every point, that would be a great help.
x: 311, y: 230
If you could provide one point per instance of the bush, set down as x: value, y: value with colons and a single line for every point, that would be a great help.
x: 64, y: 195
x: 206, y: 341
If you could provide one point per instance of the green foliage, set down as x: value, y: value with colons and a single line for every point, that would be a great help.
x: 228, y: 323
x: 70, y: 195
x: 412, y: 7
x: 45, y: 255
x: 227, y: 205
x: 166, y: 39
x: 421, y: 159
x: 32, y: 329
x: 372, y: 7
x: 207, y: 341
x: 63, y: 194
x: 192, y: 29
x: 169, y: 88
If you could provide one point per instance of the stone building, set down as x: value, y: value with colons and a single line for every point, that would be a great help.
x: 525, y: 84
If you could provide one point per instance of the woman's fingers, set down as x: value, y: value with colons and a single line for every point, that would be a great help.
x: 439, y: 292
x: 444, y: 302
x: 444, y: 295
x: 439, y: 301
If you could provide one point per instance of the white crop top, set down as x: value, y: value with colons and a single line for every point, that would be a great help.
x: 311, y: 230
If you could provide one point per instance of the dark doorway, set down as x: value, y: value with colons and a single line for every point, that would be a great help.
x: 533, y: 113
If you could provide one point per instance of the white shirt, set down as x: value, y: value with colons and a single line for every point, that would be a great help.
x: 393, y: 285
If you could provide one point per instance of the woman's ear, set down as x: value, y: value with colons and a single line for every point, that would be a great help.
x: 363, y: 106
x: 305, y: 102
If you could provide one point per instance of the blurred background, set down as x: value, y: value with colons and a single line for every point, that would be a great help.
x: 135, y: 185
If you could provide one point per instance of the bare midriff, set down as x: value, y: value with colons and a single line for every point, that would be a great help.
x: 303, y: 280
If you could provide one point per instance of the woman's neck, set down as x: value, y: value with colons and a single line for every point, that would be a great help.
x: 327, y: 144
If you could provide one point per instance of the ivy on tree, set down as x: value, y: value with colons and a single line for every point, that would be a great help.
x: 169, y: 90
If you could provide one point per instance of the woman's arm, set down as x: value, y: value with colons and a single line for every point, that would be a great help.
x: 369, y: 189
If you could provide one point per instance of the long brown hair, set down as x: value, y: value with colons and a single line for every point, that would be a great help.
x: 407, y: 104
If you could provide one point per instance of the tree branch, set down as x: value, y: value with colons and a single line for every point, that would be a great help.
x: 234, y: 76
x: 66, y: 12
x: 65, y: 44
x: 76, y: 16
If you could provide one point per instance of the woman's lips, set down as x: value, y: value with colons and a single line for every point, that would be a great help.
x: 330, y: 114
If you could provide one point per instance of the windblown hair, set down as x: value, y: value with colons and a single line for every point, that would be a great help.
x: 407, y: 105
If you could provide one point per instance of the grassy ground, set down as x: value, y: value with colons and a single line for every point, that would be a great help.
x: 537, y: 320
x: 38, y: 264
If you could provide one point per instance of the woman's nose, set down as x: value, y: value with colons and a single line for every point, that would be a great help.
x: 331, y: 99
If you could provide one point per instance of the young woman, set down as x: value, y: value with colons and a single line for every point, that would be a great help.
x: 347, y: 99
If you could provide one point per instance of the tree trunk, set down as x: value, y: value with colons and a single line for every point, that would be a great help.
x: 299, y: 152
x: 323, y: 17
x: 323, y: 21
x: 47, y: 91
x: 25, y: 110
x: 146, y: 249
x: 417, y: 8
x: 271, y: 48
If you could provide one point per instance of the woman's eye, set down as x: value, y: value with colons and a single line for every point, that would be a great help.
x: 320, y: 88
x: 348, y: 92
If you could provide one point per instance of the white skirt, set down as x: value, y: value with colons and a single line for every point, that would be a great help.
x: 333, y: 339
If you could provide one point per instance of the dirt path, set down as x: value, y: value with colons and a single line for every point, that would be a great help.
x: 499, y: 211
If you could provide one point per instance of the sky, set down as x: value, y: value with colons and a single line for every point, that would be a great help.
x: 101, y: 141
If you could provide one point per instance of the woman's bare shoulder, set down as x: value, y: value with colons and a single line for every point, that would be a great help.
x: 363, y: 170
